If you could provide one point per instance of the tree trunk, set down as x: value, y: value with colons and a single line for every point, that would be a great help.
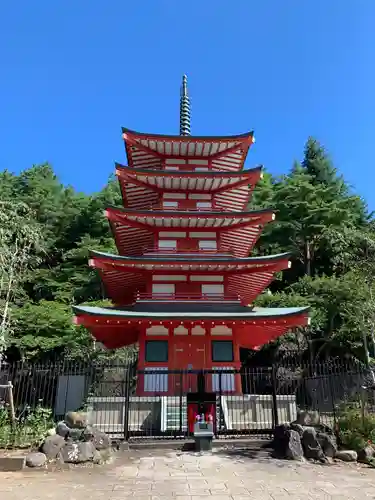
x: 307, y: 251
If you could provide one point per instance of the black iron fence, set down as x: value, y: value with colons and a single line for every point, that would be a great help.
x: 157, y: 403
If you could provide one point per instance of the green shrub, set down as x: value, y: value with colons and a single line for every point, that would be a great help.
x: 356, y: 427
x: 26, y: 432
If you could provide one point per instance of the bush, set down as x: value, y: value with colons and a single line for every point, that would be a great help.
x: 356, y: 427
x: 28, y: 431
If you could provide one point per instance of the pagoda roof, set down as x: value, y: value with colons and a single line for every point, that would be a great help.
x: 126, y: 277
x: 142, y: 188
x: 116, y: 327
x: 134, y: 230
x: 227, y: 261
x: 196, y: 311
x: 217, y: 180
x: 189, y: 219
x: 146, y: 150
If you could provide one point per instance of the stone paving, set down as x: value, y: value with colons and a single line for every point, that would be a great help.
x: 224, y: 475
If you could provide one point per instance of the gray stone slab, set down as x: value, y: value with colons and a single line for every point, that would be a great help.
x: 12, y: 464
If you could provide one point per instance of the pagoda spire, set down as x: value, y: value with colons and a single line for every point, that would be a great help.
x: 184, y: 108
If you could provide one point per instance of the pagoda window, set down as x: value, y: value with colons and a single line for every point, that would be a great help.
x: 196, y: 161
x: 174, y: 196
x: 204, y: 205
x: 214, y: 290
x: 200, y: 196
x: 167, y: 244
x: 172, y: 234
x: 163, y: 289
x: 208, y: 234
x: 222, y: 351
x: 175, y: 161
x: 206, y: 277
x: 169, y: 277
x: 207, y: 245
x: 156, y: 351
x: 170, y: 204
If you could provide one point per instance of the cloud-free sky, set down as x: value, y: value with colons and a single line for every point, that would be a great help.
x: 74, y: 72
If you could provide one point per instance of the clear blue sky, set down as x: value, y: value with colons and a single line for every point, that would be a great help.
x: 74, y: 72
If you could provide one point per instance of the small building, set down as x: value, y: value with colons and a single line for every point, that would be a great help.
x: 183, y: 283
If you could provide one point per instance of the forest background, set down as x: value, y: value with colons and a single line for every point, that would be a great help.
x: 47, y: 230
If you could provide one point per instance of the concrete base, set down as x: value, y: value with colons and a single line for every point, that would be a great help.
x: 12, y: 464
x: 203, y: 443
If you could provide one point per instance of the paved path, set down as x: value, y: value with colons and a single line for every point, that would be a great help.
x: 170, y: 475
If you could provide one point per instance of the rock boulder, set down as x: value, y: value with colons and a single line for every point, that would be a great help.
x: 294, y: 450
x: 308, y: 418
x: 287, y: 443
x: 99, y: 439
x: 365, y: 454
x: 311, y: 446
x: 76, y: 419
x: 347, y: 455
x: 36, y: 459
x: 52, y: 446
x: 62, y: 429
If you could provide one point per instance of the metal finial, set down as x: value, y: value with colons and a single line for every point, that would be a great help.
x: 184, y: 108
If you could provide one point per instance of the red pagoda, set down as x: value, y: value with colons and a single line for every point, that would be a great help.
x: 183, y: 283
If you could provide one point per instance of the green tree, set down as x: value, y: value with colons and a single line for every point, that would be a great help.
x: 20, y: 248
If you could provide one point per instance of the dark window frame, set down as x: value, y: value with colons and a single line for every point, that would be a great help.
x: 148, y: 344
x: 213, y: 342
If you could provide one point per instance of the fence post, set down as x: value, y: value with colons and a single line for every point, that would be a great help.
x: 275, y: 412
x: 127, y: 404
x: 181, y: 392
x: 9, y: 386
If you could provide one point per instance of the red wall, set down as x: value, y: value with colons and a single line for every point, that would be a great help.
x: 184, y: 352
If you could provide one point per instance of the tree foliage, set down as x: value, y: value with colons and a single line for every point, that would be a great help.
x: 47, y: 230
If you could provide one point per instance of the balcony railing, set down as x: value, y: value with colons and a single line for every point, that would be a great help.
x: 165, y: 208
x: 183, y: 297
x: 186, y: 251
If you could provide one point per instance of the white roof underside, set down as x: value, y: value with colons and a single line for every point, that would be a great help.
x: 153, y: 151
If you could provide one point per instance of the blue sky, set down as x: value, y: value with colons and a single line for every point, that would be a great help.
x: 74, y: 72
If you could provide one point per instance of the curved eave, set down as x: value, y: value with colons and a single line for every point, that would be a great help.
x: 186, y: 214
x: 124, y: 169
x: 152, y: 150
x: 257, y: 313
x: 186, y: 138
x: 202, y: 260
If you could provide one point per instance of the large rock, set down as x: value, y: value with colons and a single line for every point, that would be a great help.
x: 76, y: 434
x: 105, y: 455
x: 327, y: 442
x: 347, y: 455
x: 52, y: 446
x: 70, y: 452
x: 97, y: 458
x: 100, y: 439
x: 75, y: 453
x: 366, y: 454
x: 297, y: 427
x: 86, y: 451
x: 294, y: 450
x: 36, y: 459
x: 308, y: 418
x: 287, y: 443
x: 76, y: 419
x: 311, y: 445
x: 62, y: 429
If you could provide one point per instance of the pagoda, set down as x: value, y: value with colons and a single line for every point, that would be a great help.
x: 183, y: 283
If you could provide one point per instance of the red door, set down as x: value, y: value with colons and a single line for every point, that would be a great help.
x: 189, y: 354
